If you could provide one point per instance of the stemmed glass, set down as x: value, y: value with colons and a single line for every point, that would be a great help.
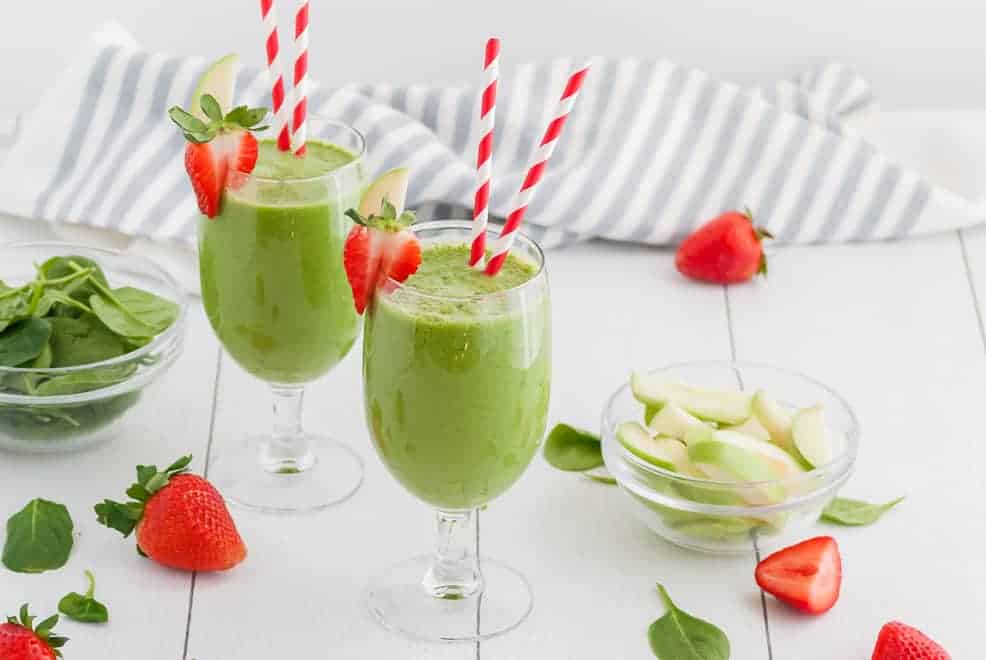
x: 456, y: 394
x: 276, y: 294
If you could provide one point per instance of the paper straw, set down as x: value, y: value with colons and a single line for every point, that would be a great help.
x: 484, y: 154
x: 269, y: 14
x: 536, y: 171
x: 300, y: 126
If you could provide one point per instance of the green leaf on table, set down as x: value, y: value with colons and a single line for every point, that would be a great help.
x: 680, y: 636
x: 855, y: 513
x: 83, y: 340
x: 84, y: 608
x: 23, y: 341
x: 572, y: 450
x: 86, y: 381
x: 39, y: 537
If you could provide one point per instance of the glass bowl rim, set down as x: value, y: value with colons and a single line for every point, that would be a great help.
x: 492, y: 227
x: 163, y: 341
x: 836, y: 470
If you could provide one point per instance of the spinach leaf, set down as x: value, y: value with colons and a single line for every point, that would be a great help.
x: 23, y: 341
x: 15, y: 304
x: 86, y: 381
x: 572, y: 450
x: 150, y: 309
x: 855, y: 513
x: 133, y: 313
x: 679, y: 636
x: 83, y: 340
x: 39, y: 537
x: 84, y: 607
x: 66, y: 272
x: 26, y: 383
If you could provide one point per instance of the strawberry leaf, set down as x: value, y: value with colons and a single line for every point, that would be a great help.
x: 117, y: 516
x: 186, y: 121
x: 210, y: 107
x: 180, y: 464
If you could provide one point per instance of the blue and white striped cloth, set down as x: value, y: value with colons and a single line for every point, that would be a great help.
x: 652, y: 149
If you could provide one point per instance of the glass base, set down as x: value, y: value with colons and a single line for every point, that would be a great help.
x: 399, y: 601
x: 247, y: 476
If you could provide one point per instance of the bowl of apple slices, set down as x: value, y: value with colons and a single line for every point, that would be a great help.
x: 728, y: 457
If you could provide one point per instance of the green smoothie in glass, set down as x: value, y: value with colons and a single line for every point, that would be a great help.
x: 456, y: 389
x: 276, y: 293
x: 457, y: 376
x: 272, y: 278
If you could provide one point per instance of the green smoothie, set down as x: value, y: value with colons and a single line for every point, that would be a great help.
x: 273, y: 282
x: 457, y: 387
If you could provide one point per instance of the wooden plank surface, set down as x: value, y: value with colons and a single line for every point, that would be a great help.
x: 893, y: 327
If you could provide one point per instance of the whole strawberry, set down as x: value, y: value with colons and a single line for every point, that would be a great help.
x: 898, y: 641
x: 20, y: 640
x: 725, y: 250
x: 180, y: 518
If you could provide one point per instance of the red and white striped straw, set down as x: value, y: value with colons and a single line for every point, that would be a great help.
x: 484, y: 154
x: 536, y: 171
x: 300, y: 125
x: 281, y: 124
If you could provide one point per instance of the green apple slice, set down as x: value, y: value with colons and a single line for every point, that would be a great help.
x: 723, y: 406
x: 774, y: 418
x: 392, y: 186
x: 753, y: 428
x: 810, y: 436
x: 219, y: 80
x: 723, y: 461
x: 666, y: 453
x: 673, y: 421
x: 650, y: 412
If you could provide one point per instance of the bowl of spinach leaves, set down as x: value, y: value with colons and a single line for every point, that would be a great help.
x: 83, y: 333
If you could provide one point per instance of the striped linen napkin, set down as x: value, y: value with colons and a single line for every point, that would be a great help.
x: 652, y: 149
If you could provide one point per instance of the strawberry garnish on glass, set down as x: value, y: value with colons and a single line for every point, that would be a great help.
x: 220, y: 150
x: 20, y: 639
x: 180, y: 518
x: 807, y: 576
x: 378, y: 248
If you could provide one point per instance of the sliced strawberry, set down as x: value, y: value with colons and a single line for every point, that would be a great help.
x: 208, y: 174
x: 806, y: 576
x: 219, y: 145
x: 378, y: 248
x: 243, y: 157
x: 361, y: 258
x: 403, y: 256
x: 898, y: 641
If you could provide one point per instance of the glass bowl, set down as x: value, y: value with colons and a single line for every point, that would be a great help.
x: 721, y: 517
x: 93, y: 399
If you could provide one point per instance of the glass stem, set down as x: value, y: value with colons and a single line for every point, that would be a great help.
x: 289, y: 450
x: 454, y: 572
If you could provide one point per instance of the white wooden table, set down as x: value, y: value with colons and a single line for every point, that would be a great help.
x: 895, y: 327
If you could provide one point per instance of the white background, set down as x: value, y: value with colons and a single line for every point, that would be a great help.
x: 916, y: 53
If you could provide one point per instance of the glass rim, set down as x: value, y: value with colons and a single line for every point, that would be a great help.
x: 492, y: 229
x: 358, y: 156
x: 158, y: 342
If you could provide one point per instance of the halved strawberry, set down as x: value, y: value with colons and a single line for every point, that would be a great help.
x: 378, y: 248
x: 221, y: 151
x: 361, y: 259
x: 806, y: 576
x: 208, y: 174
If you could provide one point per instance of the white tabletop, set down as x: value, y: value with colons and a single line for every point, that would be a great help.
x: 895, y: 327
